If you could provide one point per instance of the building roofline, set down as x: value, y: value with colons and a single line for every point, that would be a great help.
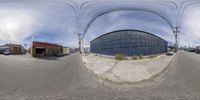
x: 10, y: 44
x: 53, y: 44
x: 127, y: 30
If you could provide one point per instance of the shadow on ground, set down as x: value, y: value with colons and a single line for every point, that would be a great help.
x: 51, y: 57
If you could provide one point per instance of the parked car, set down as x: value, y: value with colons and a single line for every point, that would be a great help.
x: 198, y: 50
x: 7, y: 52
x: 59, y: 54
x: 192, y: 49
x: 170, y: 53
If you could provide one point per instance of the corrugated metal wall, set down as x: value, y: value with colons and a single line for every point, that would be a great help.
x: 129, y: 43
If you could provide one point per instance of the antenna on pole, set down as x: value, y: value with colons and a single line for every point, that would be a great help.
x: 176, y: 31
x: 80, y: 42
x: 32, y: 38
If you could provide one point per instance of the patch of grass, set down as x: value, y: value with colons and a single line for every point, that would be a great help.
x: 141, y: 56
x: 120, y: 57
x: 152, y: 56
x: 135, y: 57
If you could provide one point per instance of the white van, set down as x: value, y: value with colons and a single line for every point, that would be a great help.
x: 7, y: 52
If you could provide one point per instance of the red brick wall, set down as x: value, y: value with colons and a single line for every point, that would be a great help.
x: 48, y: 45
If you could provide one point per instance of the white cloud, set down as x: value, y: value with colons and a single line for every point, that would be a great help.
x: 191, y: 28
x: 46, y: 22
x: 15, y: 25
x: 17, y: 22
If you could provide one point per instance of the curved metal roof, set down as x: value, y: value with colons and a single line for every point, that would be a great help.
x: 129, y: 30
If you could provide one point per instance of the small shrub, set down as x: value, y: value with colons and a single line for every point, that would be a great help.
x: 134, y: 57
x: 152, y: 56
x: 120, y: 57
x: 141, y: 56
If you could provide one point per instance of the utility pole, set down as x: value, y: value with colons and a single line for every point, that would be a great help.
x: 176, y: 31
x: 80, y: 43
x: 33, y: 39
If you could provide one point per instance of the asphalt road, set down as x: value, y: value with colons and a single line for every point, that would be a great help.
x: 23, y: 77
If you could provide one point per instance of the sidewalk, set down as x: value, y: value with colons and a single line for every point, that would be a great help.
x: 128, y: 71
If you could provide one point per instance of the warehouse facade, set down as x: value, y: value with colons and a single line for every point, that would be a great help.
x: 13, y: 48
x: 39, y: 49
x: 128, y: 42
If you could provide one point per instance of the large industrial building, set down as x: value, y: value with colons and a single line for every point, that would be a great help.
x: 39, y: 49
x: 129, y: 43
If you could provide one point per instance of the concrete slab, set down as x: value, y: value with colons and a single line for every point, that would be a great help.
x: 128, y: 71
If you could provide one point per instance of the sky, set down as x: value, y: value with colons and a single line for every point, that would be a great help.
x: 56, y: 23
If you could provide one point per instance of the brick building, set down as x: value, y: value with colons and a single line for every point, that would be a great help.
x: 13, y: 48
x: 39, y: 49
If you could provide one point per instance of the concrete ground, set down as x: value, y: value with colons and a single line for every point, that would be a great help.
x: 24, y: 78
x: 127, y: 71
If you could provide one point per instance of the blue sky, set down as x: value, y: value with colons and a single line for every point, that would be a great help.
x: 54, y: 22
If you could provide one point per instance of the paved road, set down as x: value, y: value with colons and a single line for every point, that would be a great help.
x: 25, y: 76
x: 66, y: 78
